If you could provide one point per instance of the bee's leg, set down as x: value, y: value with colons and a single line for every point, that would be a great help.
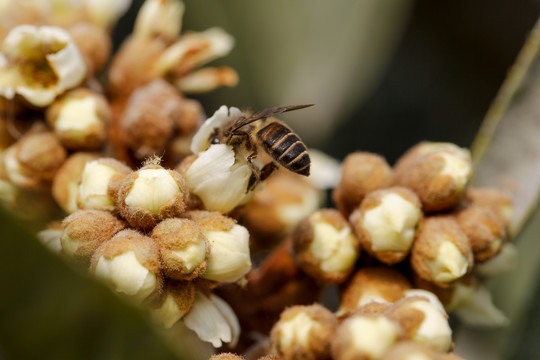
x: 255, y: 173
x: 267, y: 170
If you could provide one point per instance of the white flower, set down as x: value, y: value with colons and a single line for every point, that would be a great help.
x: 213, y: 320
x: 220, y: 178
x: 201, y: 140
x: 39, y: 64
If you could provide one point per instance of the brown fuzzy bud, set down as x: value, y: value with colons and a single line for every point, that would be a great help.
x: 229, y: 259
x: 325, y: 246
x: 94, y: 43
x: 495, y: 199
x: 130, y: 264
x: 484, y: 229
x: 150, y: 194
x: 275, y: 210
x: 386, y: 222
x: 373, y: 284
x: 191, y: 116
x: 364, y: 337
x: 304, y: 332
x: 65, y: 186
x: 361, y: 173
x: 100, y: 182
x: 34, y: 160
x: 422, y: 322
x: 130, y: 64
x: 183, y: 247
x: 176, y: 301
x: 149, y: 118
x: 439, y: 175
x: 79, y: 119
x: 441, y: 252
x: 86, y: 230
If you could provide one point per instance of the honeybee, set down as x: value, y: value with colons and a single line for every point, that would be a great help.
x: 252, y: 132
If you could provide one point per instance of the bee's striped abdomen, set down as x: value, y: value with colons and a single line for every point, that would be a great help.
x: 285, y: 147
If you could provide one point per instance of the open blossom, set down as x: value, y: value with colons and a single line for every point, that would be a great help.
x: 39, y: 63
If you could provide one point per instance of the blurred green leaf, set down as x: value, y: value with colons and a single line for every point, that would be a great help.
x: 48, y: 310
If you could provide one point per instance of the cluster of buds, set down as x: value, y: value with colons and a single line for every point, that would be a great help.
x: 373, y: 331
x: 137, y: 232
x: 54, y: 112
x: 173, y: 240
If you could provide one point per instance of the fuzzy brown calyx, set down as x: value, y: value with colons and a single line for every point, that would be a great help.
x: 362, y: 173
x: 486, y: 233
x: 33, y: 161
x: 174, y: 303
x: 386, y: 222
x: 495, y: 199
x: 86, y: 230
x: 65, y: 186
x: 149, y: 118
x: 439, y: 176
x: 130, y: 264
x: 183, y: 248
x: 441, y: 252
x: 94, y: 43
x: 325, y: 246
x: 79, y: 119
x: 373, y: 284
x: 304, y: 332
x: 151, y: 194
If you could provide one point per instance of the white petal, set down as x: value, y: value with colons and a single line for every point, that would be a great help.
x: 201, y: 140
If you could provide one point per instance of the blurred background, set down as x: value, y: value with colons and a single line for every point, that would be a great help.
x: 383, y: 75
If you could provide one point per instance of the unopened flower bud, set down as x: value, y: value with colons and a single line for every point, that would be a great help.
x: 94, y: 43
x: 191, y: 116
x: 34, y: 160
x: 495, y: 199
x: 183, y: 247
x: 220, y: 178
x: 485, y: 231
x: 229, y: 259
x: 361, y: 174
x: 304, y: 332
x: 438, y: 177
x: 42, y: 62
x: 79, y: 119
x: 150, y: 194
x: 373, y: 284
x: 149, y: 118
x: 193, y: 50
x: 422, y: 322
x: 65, y: 186
x: 86, y: 230
x: 276, y: 209
x: 213, y: 320
x: 386, y: 223
x: 100, y: 181
x: 441, y: 252
x: 106, y: 13
x: 207, y: 79
x: 174, y: 303
x: 158, y: 18
x: 325, y: 246
x: 364, y: 337
x: 130, y: 264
